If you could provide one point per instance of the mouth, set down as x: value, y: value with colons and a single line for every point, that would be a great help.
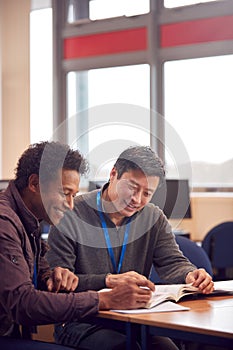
x: 59, y: 213
x: 131, y: 207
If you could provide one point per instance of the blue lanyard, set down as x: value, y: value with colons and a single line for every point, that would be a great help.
x: 107, y: 238
x: 35, y: 275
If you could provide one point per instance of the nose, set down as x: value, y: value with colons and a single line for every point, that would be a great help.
x: 137, y: 197
x: 69, y: 202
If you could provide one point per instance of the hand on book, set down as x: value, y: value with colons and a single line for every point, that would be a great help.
x: 124, y: 296
x: 112, y: 280
x: 201, y: 279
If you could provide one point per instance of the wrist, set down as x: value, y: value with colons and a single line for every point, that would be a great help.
x: 108, y: 280
x: 188, y: 277
x: 104, y: 301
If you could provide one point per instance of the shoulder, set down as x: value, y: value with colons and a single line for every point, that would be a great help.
x: 9, y: 202
x: 11, y: 227
x: 85, y: 203
x: 87, y: 197
x: 7, y: 212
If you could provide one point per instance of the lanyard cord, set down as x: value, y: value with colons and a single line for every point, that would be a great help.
x: 107, y: 238
x: 35, y: 275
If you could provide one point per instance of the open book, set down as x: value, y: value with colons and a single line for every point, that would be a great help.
x: 167, y: 292
x: 173, y: 292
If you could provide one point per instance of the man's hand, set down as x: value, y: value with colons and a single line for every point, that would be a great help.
x: 201, y: 279
x: 112, y: 280
x: 62, y: 280
x: 124, y: 296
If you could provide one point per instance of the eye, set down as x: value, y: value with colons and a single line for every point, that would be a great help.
x: 147, y: 194
x: 63, y: 194
x: 68, y: 194
x: 132, y: 187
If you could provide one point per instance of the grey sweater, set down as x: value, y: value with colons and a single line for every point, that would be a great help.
x: 78, y: 244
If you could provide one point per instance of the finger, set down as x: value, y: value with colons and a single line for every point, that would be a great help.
x: 138, y: 301
x: 75, y: 283
x: 147, y: 283
x: 66, y: 284
x: 203, y: 279
x: 199, y: 276
x: 204, y: 282
x: 209, y: 289
x: 71, y: 282
x: 141, y: 304
x: 132, y: 274
x: 207, y: 286
x: 142, y: 298
x: 57, y: 279
x: 191, y: 277
x: 50, y: 285
x: 144, y: 291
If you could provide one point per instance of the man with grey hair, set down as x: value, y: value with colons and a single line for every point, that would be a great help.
x: 114, y: 235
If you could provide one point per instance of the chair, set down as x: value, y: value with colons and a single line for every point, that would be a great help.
x: 193, y: 252
x: 218, y: 244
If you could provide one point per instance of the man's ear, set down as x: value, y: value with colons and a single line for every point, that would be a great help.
x: 33, y: 183
x: 113, y: 174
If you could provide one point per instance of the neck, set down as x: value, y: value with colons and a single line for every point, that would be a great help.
x: 31, y: 203
x: 116, y: 218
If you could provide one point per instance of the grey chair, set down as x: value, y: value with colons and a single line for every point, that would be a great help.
x: 218, y: 244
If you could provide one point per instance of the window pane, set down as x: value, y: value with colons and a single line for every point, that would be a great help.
x: 41, y: 120
x: 100, y: 9
x: 198, y: 105
x: 177, y: 3
x: 113, y: 114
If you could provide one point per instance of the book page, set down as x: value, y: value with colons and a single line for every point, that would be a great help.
x: 167, y: 306
x: 223, y: 286
x: 158, y: 298
x: 174, y: 291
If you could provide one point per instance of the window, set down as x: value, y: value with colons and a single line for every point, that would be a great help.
x: 100, y: 9
x: 196, y: 93
x: 198, y: 105
x: 108, y: 110
x: 177, y: 3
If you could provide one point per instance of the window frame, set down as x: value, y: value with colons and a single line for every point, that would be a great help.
x: 156, y: 22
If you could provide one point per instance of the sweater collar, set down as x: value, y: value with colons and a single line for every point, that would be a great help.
x: 29, y: 221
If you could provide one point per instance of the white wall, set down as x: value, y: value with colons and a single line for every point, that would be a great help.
x: 14, y: 82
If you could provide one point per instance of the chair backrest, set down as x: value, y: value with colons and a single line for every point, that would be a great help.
x: 193, y: 252
x: 218, y: 244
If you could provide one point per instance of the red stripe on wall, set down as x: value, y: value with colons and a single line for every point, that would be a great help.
x: 198, y: 31
x: 105, y: 43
